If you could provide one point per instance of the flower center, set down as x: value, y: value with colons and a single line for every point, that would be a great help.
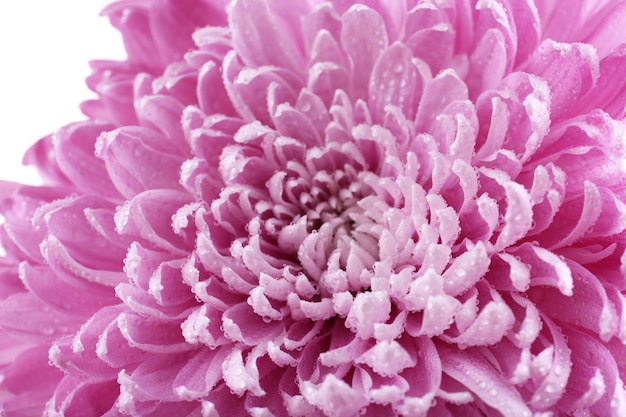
x: 321, y: 220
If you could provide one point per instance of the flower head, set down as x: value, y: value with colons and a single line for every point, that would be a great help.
x: 329, y: 208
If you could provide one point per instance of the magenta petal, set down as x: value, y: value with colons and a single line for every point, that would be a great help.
x: 22, y: 377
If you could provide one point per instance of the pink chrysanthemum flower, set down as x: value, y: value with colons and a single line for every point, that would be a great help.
x: 309, y: 208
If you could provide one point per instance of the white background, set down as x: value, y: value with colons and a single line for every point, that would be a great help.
x: 45, y: 46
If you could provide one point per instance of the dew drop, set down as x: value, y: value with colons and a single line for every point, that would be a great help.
x: 558, y: 370
x: 305, y: 106
x: 398, y: 68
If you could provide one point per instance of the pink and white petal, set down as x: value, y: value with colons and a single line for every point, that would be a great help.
x: 446, y: 88
x: 211, y: 92
x: 547, y: 194
x: 172, y: 23
x: 609, y: 94
x: 323, y: 18
x: 67, y: 220
x: 602, y: 30
x: 518, y: 218
x: 589, y: 306
x: 396, y: 81
x: 262, y: 90
x: 326, y: 48
x: 612, y: 220
x: 576, y: 217
x: 259, y: 36
x: 200, y: 374
x: 488, y: 62
x: 551, y: 368
x: 428, y: 24
x: 74, y: 396
x: 363, y: 47
x: 167, y: 287
x: 204, y: 326
x: 152, y: 335
x: 74, y: 147
x: 81, y: 300
x: 41, y: 155
x: 334, y: 397
x: 135, y: 164
x: 547, y: 268
x: 423, y: 379
x: 490, y: 326
x: 387, y: 358
x: 28, y: 383
x: 508, y: 273
x: 595, y: 384
x: 78, y: 354
x: 163, y: 113
x: 466, y: 269
x: 571, y: 70
x: 29, y: 318
x: 439, y: 314
x: 368, y: 309
x: 475, y: 372
x: 241, y: 324
x: 527, y: 329
x: 148, y: 216
x: 241, y: 375
x: 112, y: 347
x: 292, y: 123
x: 134, y: 24
x: 527, y: 26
